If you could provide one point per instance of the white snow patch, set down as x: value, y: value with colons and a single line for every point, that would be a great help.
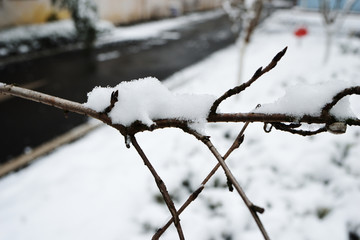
x: 2, y: 84
x: 309, y: 99
x: 155, y: 28
x: 146, y: 99
x: 107, y: 31
x: 28, y: 32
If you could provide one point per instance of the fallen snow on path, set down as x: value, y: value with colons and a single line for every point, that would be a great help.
x: 95, y: 188
x: 156, y: 28
x: 28, y: 38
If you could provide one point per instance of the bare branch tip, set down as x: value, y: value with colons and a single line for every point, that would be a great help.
x: 114, y: 96
x: 280, y: 55
x: 113, y: 100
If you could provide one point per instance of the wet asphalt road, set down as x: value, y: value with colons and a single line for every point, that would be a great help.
x: 70, y: 75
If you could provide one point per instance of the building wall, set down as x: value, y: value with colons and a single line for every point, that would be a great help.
x: 22, y: 12
x: 126, y: 11
x: 19, y: 12
x: 315, y: 5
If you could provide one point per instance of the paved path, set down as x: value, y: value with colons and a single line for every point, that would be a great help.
x: 72, y: 74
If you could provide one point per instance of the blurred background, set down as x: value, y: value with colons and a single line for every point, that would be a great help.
x: 95, y: 188
x: 67, y: 47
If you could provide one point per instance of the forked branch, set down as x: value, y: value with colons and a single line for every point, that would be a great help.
x: 236, y: 144
x: 254, y: 209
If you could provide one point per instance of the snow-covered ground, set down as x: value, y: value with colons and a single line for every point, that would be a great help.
x: 96, y: 188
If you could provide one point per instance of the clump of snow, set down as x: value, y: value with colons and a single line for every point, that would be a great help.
x: 2, y: 84
x: 309, y: 99
x: 146, y: 99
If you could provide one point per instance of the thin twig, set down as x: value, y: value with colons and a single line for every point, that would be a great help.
x: 288, y: 128
x: 162, y: 187
x: 113, y: 100
x: 190, y: 199
x: 237, y: 142
x: 242, y: 87
x: 254, y: 209
x: 345, y: 92
x: 273, y: 118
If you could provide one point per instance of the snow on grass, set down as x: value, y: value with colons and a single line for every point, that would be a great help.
x: 95, y: 188
x: 146, y: 99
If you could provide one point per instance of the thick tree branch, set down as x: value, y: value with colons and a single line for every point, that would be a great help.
x: 57, y: 102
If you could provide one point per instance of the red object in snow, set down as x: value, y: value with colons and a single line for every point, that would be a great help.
x: 301, y: 32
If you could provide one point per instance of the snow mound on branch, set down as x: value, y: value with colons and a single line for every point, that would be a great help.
x: 146, y: 99
x: 309, y: 99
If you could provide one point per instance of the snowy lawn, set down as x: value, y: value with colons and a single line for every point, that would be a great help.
x: 96, y: 188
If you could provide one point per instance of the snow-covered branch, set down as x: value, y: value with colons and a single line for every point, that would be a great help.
x: 146, y: 105
x: 138, y: 126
